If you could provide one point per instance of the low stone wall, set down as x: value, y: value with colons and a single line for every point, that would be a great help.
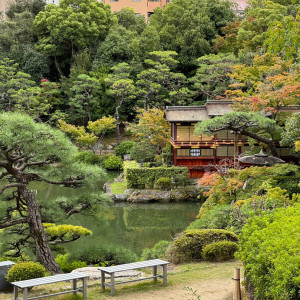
x: 188, y: 193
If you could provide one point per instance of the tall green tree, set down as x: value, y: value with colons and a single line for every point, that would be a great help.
x: 11, y: 81
x: 129, y: 20
x: 260, y: 14
x: 121, y: 88
x: 84, y: 97
x: 19, y: 6
x: 118, y: 47
x: 40, y: 102
x: 283, y: 38
x: 211, y: 79
x: 160, y: 84
x: 32, y: 152
x: 70, y: 27
x: 190, y: 26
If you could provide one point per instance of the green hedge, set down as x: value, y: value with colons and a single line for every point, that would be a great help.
x: 219, y: 251
x: 146, y: 177
x: 270, y: 251
x: 25, y: 270
x: 188, y: 246
x: 113, y: 163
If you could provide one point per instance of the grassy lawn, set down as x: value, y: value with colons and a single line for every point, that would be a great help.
x: 194, y: 275
x: 118, y: 187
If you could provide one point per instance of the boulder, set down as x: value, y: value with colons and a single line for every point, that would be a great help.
x: 129, y: 191
x: 150, y: 196
x: 185, y: 194
x: 119, y: 197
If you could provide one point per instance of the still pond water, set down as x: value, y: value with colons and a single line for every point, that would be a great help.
x: 133, y: 226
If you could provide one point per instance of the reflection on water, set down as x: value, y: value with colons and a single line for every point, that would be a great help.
x: 135, y: 226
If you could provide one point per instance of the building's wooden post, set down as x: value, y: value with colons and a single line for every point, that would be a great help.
x: 237, y: 287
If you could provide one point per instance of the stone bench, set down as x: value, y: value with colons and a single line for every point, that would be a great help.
x: 25, y: 285
x: 132, y: 266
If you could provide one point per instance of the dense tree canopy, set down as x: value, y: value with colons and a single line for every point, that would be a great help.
x: 73, y: 25
x: 189, y: 27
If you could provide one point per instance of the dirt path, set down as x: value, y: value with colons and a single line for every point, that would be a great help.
x: 207, y: 289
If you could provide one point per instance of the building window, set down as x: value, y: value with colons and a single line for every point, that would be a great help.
x: 114, y: 0
x: 195, y: 152
x: 153, y: 0
x: 136, y: 1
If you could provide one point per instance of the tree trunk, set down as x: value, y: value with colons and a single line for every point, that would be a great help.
x: 117, y: 117
x: 57, y: 65
x: 43, y: 251
x: 269, y: 142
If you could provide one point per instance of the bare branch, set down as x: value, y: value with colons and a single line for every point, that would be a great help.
x: 57, y: 242
x: 7, y: 186
x: 13, y: 222
x: 37, y: 163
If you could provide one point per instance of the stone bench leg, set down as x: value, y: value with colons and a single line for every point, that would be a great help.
x: 102, y: 280
x: 25, y: 293
x: 165, y: 274
x: 112, y: 284
x: 74, y: 286
x: 84, y: 284
x: 155, y: 273
x: 16, y: 293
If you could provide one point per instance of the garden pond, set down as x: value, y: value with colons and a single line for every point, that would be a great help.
x: 129, y: 225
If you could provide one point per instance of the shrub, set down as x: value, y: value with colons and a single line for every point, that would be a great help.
x: 270, y: 251
x: 219, y: 251
x: 103, y: 158
x: 100, y: 254
x: 219, y: 217
x: 188, y: 245
x: 88, y: 157
x: 113, y: 163
x: 66, y: 265
x: 142, y: 152
x: 25, y: 270
x: 124, y: 148
x: 141, y: 178
x: 163, y: 183
x: 157, y: 251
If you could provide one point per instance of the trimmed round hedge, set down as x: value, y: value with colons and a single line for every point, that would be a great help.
x: 113, y: 163
x: 25, y: 270
x: 219, y: 251
x: 188, y: 246
x: 163, y: 183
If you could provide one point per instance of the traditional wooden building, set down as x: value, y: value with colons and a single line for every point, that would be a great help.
x: 200, y: 153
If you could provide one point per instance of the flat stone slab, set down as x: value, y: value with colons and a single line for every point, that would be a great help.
x: 95, y: 274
